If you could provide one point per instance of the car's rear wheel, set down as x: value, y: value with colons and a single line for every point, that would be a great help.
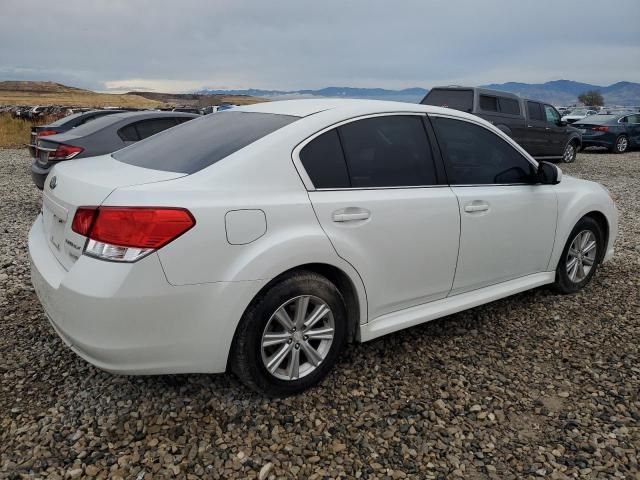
x: 291, y: 336
x: 570, y: 152
x: 621, y: 145
x: 580, y: 256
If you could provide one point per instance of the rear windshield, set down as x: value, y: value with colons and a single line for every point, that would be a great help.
x: 68, y: 118
x: 456, y: 99
x: 200, y: 143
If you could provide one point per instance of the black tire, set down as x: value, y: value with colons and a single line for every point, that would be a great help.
x: 570, y: 152
x: 621, y: 144
x: 563, y: 283
x: 246, y: 352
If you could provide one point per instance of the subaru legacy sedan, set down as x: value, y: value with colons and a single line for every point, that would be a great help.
x: 262, y: 239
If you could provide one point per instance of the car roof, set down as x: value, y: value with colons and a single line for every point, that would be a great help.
x: 345, y: 107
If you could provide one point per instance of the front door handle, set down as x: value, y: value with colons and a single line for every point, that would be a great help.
x: 476, y: 206
x: 351, y: 214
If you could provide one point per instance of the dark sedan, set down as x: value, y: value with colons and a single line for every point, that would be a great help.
x: 100, y: 136
x: 65, y: 124
x: 616, y: 131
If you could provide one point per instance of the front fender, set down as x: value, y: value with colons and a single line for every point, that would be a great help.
x: 577, y: 198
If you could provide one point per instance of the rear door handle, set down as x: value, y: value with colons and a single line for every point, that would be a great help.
x: 476, y: 206
x: 350, y: 214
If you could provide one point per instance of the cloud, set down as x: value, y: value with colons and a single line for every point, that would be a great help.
x: 291, y: 44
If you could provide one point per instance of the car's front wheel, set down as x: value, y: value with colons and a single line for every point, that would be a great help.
x: 291, y: 336
x: 580, y: 256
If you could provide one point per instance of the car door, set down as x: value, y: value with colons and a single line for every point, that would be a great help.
x: 386, y: 211
x: 537, y: 138
x: 556, y: 132
x: 508, y: 221
x: 633, y: 129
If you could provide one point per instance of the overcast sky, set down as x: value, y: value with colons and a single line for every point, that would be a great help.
x: 182, y: 45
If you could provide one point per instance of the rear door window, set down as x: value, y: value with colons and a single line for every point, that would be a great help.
x: 457, y: 99
x: 488, y: 103
x: 146, y: 128
x: 129, y: 133
x: 202, y: 142
x: 388, y: 151
x: 510, y: 106
x: 535, y: 111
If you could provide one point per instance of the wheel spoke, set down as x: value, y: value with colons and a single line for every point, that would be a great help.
x: 271, y: 339
x: 284, y: 319
x: 571, y: 263
x: 320, y: 334
x: 584, y: 239
x: 581, y: 273
x: 588, y: 261
x: 573, y: 253
x: 312, y: 354
x: 294, y: 364
x: 573, y: 270
x: 318, y: 312
x: 275, y: 361
x: 590, y: 246
x: 301, y: 311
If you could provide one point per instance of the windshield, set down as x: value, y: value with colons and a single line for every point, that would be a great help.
x: 63, y: 120
x: 597, y: 119
x: 197, y: 144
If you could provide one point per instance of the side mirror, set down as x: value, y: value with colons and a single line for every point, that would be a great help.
x: 549, y: 174
x: 562, y: 123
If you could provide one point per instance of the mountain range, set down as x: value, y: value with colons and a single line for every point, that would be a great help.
x: 557, y: 92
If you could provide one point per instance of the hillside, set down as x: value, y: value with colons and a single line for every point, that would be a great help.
x: 557, y: 92
x: 49, y: 93
x: 198, y: 100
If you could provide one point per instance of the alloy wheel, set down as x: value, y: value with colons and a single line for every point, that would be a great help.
x: 297, y: 337
x: 622, y: 144
x: 581, y: 256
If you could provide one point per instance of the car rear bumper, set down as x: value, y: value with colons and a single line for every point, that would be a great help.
x: 126, y: 318
x: 597, y: 142
x: 39, y: 174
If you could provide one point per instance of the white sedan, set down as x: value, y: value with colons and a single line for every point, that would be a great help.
x: 265, y: 238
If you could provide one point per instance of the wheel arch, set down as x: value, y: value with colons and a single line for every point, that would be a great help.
x: 601, y: 219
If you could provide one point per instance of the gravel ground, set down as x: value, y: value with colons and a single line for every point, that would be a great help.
x: 537, y: 385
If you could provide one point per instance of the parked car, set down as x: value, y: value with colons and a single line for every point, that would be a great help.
x: 578, y: 114
x: 536, y: 126
x: 617, y: 132
x: 247, y: 239
x: 99, y: 136
x: 187, y: 110
x: 64, y: 124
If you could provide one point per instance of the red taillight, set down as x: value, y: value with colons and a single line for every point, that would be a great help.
x: 135, y: 227
x: 600, y: 129
x: 64, y: 152
x: 46, y: 133
x: 83, y: 219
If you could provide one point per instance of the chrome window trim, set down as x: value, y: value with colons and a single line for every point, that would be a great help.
x: 306, y: 180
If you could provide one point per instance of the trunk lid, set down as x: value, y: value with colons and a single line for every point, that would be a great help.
x: 85, y: 182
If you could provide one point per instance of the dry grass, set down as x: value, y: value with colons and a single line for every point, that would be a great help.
x: 13, y: 131
x: 71, y: 99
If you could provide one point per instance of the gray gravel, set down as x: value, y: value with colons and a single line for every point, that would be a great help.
x: 534, y: 386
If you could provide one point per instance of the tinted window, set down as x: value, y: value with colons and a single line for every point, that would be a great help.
x: 456, y: 99
x: 324, y: 161
x: 535, y: 111
x: 551, y: 115
x: 633, y: 119
x: 129, y: 133
x: 389, y: 151
x: 509, y: 105
x: 476, y: 156
x: 490, y: 104
x: 146, y: 128
x: 202, y: 142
